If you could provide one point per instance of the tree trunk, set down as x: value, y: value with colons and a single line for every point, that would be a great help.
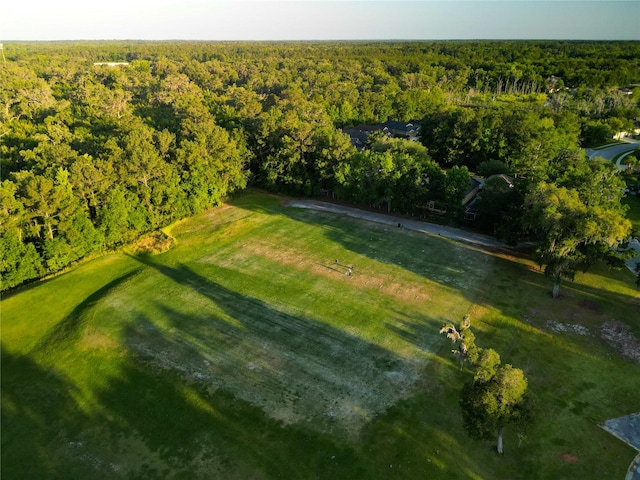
x: 556, y: 289
x: 500, y: 449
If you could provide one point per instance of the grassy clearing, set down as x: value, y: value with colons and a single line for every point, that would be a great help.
x: 246, y: 351
x: 633, y: 213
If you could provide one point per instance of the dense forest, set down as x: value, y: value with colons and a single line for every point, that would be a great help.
x: 94, y: 155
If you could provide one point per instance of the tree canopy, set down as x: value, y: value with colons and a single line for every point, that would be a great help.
x: 577, y: 226
x: 496, y: 396
x: 93, y: 156
x: 490, y: 404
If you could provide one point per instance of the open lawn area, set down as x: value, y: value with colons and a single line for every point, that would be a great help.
x: 633, y: 213
x: 247, y: 351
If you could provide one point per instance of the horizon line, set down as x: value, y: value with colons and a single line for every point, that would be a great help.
x: 318, y: 40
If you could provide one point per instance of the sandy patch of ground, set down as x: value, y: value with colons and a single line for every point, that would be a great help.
x: 568, y: 327
x: 96, y: 339
x: 569, y: 458
x: 359, y: 277
x: 620, y: 336
x: 614, y: 332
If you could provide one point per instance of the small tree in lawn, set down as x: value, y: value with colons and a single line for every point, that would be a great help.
x: 490, y: 404
x: 487, y: 365
x: 465, y: 339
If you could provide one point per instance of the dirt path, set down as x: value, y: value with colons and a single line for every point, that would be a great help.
x: 452, y: 233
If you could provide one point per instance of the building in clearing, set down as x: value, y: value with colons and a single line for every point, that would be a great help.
x: 475, y: 192
x: 110, y: 64
x: 360, y: 133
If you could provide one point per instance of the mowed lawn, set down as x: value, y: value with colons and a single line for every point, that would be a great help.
x: 633, y: 212
x: 247, y: 351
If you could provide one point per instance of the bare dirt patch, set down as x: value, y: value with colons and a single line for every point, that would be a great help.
x: 620, y: 336
x: 565, y: 316
x: 357, y: 275
x: 568, y: 327
x: 569, y: 458
x: 96, y: 339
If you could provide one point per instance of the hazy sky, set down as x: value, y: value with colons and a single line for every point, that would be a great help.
x: 318, y: 20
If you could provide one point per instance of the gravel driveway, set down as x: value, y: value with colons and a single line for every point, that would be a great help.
x: 452, y: 233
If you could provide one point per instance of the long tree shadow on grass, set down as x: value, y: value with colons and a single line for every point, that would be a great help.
x: 70, y: 328
x: 39, y: 416
x: 190, y: 431
x: 482, y: 277
x: 508, y: 287
x: 296, y: 369
x: 454, y: 265
x: 416, y: 331
x: 151, y: 424
x: 439, y: 259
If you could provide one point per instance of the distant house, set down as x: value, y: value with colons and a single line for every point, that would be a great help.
x: 508, y: 180
x: 403, y: 129
x: 360, y: 133
x: 358, y: 137
x: 625, y: 134
x: 110, y: 64
x: 475, y: 191
x: 372, y: 128
x: 475, y: 184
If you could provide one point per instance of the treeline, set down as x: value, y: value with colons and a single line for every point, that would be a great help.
x: 93, y: 156
x: 538, y: 184
x: 498, y: 66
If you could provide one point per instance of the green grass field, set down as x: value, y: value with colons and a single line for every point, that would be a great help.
x: 247, y: 352
x: 633, y: 212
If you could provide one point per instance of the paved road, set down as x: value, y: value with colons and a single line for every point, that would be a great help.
x: 424, y: 227
x: 452, y: 233
x: 609, y: 153
x: 627, y: 429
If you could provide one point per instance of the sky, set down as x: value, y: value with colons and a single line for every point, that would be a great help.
x: 318, y: 20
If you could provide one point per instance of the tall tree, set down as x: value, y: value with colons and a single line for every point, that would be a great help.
x: 211, y: 165
x: 19, y: 260
x: 465, y: 341
x: 456, y: 186
x: 488, y: 406
x: 572, y: 233
x: 145, y: 172
x: 534, y: 140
